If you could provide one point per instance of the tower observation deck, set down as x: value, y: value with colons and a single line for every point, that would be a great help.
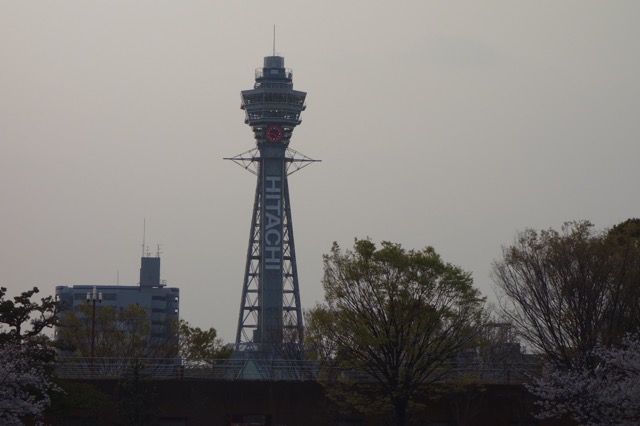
x: 270, y: 318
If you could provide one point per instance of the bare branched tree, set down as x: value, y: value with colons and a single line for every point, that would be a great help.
x: 573, y: 296
x: 566, y: 292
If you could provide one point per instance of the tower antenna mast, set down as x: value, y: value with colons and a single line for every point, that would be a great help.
x: 274, y: 39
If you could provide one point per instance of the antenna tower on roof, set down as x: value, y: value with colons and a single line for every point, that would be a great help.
x: 144, y: 232
x: 274, y: 39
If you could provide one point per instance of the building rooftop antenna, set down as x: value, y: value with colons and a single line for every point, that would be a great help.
x: 274, y: 39
x: 144, y: 231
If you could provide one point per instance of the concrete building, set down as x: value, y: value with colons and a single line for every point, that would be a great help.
x: 161, y: 302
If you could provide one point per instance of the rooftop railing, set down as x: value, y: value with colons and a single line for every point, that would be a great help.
x: 249, y: 369
x: 274, y: 72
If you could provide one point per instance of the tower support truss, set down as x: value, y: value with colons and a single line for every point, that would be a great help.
x: 270, y: 318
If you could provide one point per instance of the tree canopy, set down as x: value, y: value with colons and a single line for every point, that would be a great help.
x: 127, y: 333
x: 25, y: 356
x: 120, y: 333
x: 200, y: 345
x: 396, y: 317
x: 608, y: 395
x: 22, y: 318
x: 573, y: 296
x: 567, y: 291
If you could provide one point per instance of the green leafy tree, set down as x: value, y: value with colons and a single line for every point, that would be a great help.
x: 119, y: 333
x: 396, y: 318
x: 23, y: 318
x: 199, y: 345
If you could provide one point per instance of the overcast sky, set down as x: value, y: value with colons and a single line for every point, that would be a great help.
x: 451, y: 124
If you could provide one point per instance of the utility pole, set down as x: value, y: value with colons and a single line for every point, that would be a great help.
x: 93, y: 297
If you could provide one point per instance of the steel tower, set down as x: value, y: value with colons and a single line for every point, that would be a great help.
x: 270, y: 312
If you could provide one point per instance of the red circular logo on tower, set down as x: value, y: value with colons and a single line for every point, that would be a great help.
x: 274, y: 133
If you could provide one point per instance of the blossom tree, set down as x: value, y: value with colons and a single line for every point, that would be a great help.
x: 26, y: 356
x: 24, y: 385
x: 606, y: 395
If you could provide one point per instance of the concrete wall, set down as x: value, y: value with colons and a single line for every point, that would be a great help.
x: 212, y: 402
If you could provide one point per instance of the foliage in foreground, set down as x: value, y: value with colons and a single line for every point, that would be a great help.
x: 201, y: 345
x: 572, y: 295
x: 25, y: 386
x: 566, y: 292
x: 605, y: 396
x: 396, y: 318
x: 119, y: 333
x: 26, y: 356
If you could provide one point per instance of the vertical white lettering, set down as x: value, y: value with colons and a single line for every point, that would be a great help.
x: 273, y: 181
x: 272, y: 232
x: 272, y: 237
x: 272, y: 257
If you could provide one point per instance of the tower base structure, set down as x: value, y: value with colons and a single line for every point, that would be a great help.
x: 270, y: 321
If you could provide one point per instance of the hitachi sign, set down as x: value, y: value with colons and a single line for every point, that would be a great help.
x: 272, y: 244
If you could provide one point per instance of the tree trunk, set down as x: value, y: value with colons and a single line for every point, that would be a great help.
x: 400, y: 411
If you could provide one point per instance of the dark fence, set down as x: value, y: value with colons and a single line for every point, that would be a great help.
x: 274, y: 370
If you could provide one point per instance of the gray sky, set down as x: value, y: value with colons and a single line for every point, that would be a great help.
x: 452, y: 124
